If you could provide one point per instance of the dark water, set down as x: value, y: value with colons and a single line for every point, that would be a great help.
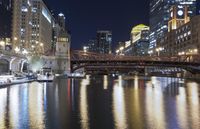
x: 102, y: 103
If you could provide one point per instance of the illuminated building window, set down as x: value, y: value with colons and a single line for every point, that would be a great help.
x: 62, y: 39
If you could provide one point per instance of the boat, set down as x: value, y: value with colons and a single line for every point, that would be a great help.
x: 76, y: 75
x: 45, y: 78
x: 7, y: 80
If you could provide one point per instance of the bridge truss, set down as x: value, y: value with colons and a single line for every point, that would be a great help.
x: 96, y: 61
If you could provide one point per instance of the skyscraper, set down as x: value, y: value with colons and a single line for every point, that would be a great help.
x: 139, y: 43
x: 198, y: 7
x: 160, y: 14
x: 104, y: 41
x: 91, y: 46
x: 6, y: 4
x: 58, y: 25
x: 5, y: 18
x: 61, y: 20
x: 32, y: 26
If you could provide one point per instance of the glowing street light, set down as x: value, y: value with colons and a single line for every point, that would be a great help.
x: 195, y: 50
x: 24, y: 52
x: 121, y: 48
x: 181, y: 53
x: 159, y: 50
x: 41, y: 44
x: 117, y: 51
x: 85, y: 48
x: 2, y: 43
x: 17, y: 49
x: 15, y: 38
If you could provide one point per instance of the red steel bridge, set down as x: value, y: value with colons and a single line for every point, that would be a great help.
x: 95, y: 61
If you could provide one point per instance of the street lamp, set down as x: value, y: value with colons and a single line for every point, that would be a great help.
x: 41, y: 44
x: 33, y: 46
x: 150, y: 52
x: 15, y: 38
x: 181, y: 53
x: 2, y: 44
x: 17, y: 49
x: 121, y: 50
x: 85, y: 48
x: 117, y: 51
x: 159, y: 50
x: 195, y: 50
x: 24, y: 52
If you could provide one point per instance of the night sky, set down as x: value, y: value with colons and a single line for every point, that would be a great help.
x: 85, y: 17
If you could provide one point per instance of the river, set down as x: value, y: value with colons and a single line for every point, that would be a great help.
x: 102, y: 102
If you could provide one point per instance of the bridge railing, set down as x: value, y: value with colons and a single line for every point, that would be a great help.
x: 90, y: 56
x: 11, y: 53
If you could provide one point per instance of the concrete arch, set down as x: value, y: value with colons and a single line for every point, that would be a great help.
x: 16, y: 64
x: 23, y: 66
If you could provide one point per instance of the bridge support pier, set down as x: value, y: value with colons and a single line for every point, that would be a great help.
x: 16, y: 65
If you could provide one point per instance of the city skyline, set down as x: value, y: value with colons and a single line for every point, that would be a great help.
x: 84, y: 18
x: 99, y: 64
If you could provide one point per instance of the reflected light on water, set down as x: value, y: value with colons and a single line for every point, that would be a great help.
x: 3, y: 100
x: 36, y: 112
x: 14, y: 104
x: 193, y: 93
x: 155, y: 106
x: 105, y: 82
x: 146, y: 105
x: 136, y: 85
x: 193, y: 89
x: 135, y: 106
x: 84, y: 114
x: 181, y: 107
x: 119, y: 105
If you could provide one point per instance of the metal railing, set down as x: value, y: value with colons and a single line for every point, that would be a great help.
x: 90, y: 56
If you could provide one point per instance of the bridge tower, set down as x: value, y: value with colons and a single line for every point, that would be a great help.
x: 63, y: 53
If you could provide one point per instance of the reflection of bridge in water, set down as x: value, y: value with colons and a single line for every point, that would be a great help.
x: 108, y: 62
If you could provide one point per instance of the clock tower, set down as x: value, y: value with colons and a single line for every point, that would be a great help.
x: 178, y: 17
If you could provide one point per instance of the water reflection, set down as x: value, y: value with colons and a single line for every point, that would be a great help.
x: 193, y: 102
x: 182, y: 108
x: 84, y: 114
x: 154, y: 105
x: 105, y: 82
x: 102, y: 102
x: 14, y: 107
x: 133, y: 104
x: 36, y: 107
x: 119, y: 105
x: 3, y: 101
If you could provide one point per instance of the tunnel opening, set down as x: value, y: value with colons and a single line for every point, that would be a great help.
x: 4, y: 66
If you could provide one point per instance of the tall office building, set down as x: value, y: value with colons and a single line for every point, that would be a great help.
x: 104, y: 42
x: 139, y: 41
x: 160, y: 14
x: 58, y: 25
x: 5, y: 18
x: 182, y: 41
x: 178, y: 17
x: 198, y: 7
x: 91, y: 46
x: 32, y: 26
x: 61, y: 20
